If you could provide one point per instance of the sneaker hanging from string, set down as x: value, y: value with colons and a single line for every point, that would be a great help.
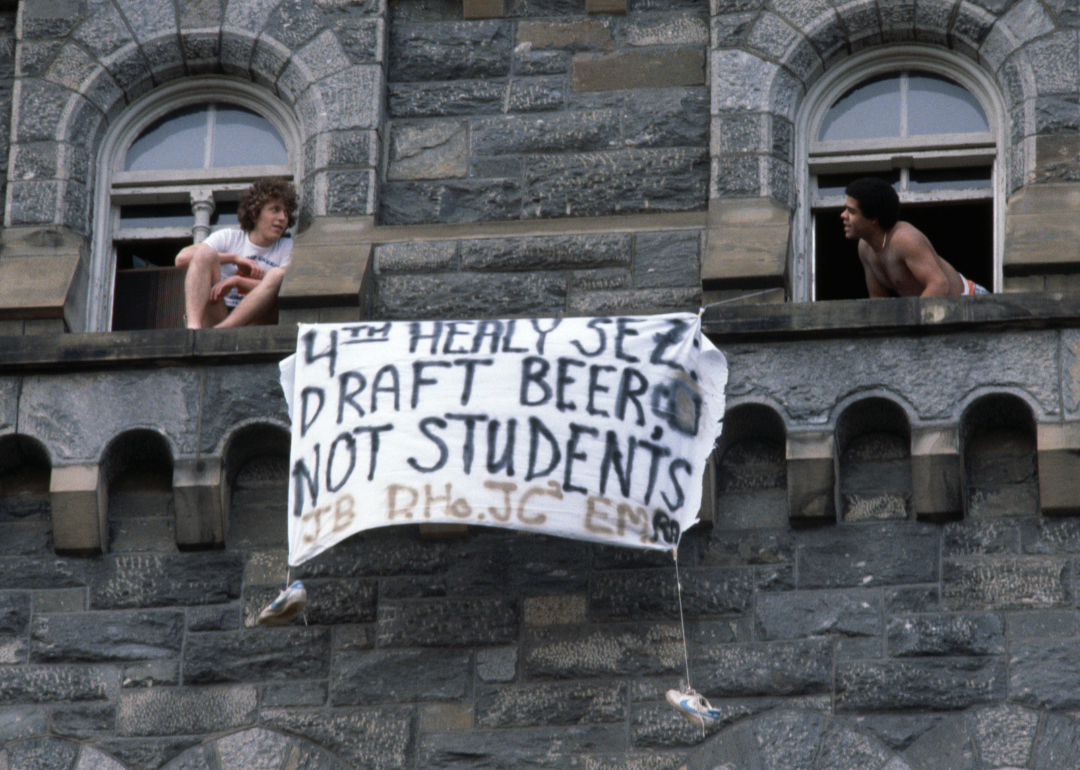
x: 694, y: 707
x: 285, y: 607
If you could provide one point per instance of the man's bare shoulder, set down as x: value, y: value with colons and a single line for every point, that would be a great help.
x: 906, y: 235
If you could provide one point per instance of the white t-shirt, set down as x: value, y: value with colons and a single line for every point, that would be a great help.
x: 235, y: 241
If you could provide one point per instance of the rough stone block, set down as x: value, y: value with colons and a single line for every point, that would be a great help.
x: 605, y: 6
x: 367, y: 737
x: 482, y: 9
x: 434, y: 150
x: 447, y: 622
x: 1058, y: 742
x: 1059, y: 467
x: 1006, y: 583
x: 645, y: 301
x: 585, y: 35
x: 1039, y: 227
x: 251, y: 656
x: 453, y: 51
x: 610, y: 650
x: 667, y: 259
x: 497, y: 664
x: 747, y: 239
x: 465, y: 200
x: 851, y: 613
x: 879, y: 554
x: 97, y: 637
x: 277, y: 695
x: 671, y: 117
x: 468, y: 295
x: 150, y: 673
x: 532, y: 62
x: 47, y: 684
x: 169, y: 711
x: 537, y: 94
x: 810, y: 476
x: 628, y: 181
x: 160, y: 580
x: 551, y: 704
x: 935, y: 472
x: 1005, y: 734
x: 1044, y: 673
x: 928, y: 683
x: 198, y: 499
x: 518, y: 748
x: 436, y: 717
x: 972, y: 538
x: 414, y: 256
x: 638, y: 68
x: 940, y: 634
x: 400, y: 676
x: 648, y: 594
x: 1050, y: 536
x: 781, y: 668
x: 442, y: 99
x: 580, y: 130
x: 546, y: 253
x: 77, y: 497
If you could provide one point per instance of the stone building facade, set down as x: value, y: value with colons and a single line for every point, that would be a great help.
x: 885, y: 577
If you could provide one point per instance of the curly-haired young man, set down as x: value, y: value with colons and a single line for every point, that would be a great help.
x: 233, y: 277
x: 897, y: 258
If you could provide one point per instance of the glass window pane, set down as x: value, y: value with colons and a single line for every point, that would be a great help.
x: 939, y: 106
x: 949, y: 178
x: 243, y: 138
x: 869, y: 111
x: 156, y: 215
x: 176, y: 141
x: 835, y: 184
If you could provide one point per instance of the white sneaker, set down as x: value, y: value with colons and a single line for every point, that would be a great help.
x: 285, y: 606
x: 694, y: 707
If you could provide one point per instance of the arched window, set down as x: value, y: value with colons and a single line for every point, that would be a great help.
x: 927, y: 124
x: 174, y: 167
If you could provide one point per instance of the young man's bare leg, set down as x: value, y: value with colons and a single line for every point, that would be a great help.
x: 258, y: 303
x: 202, y: 273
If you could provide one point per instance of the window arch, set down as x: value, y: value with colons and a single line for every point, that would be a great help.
x: 932, y: 125
x: 172, y: 168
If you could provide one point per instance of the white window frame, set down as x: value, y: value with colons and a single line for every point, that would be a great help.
x: 887, y: 154
x: 115, y: 187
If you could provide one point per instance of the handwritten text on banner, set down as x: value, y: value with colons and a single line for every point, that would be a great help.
x: 590, y: 428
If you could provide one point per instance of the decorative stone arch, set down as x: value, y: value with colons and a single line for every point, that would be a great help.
x: 256, y: 747
x: 87, y: 70
x: 28, y: 459
x: 136, y: 466
x: 873, y: 450
x: 999, y: 453
x: 751, y: 468
x: 255, y: 458
x: 55, y: 754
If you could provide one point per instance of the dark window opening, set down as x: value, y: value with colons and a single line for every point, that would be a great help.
x: 149, y: 291
x: 961, y: 232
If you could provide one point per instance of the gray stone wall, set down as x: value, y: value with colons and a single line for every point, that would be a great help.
x: 609, y: 273
x: 857, y: 642
x: 546, y: 113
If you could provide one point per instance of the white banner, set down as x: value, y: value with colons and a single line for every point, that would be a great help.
x: 591, y: 428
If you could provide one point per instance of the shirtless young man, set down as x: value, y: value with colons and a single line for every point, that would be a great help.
x: 898, y: 259
x: 233, y: 277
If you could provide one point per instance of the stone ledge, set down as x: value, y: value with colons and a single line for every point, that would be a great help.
x: 901, y: 315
